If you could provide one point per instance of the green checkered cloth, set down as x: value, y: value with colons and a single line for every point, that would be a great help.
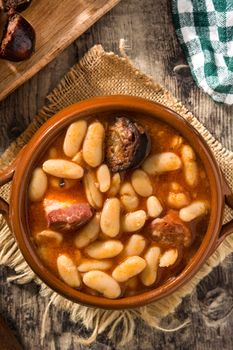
x: 205, y: 31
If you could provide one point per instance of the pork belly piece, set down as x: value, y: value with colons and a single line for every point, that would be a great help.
x: 170, y: 230
x: 66, y: 216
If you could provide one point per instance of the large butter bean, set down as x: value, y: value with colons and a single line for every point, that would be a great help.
x: 110, y: 217
x: 177, y: 200
x: 88, y: 233
x: 78, y: 158
x: 135, y: 245
x: 74, y: 137
x: 191, y: 173
x: 68, y: 271
x: 102, y: 283
x: 190, y: 165
x: 162, y: 162
x: 133, y: 221
x: 104, y: 249
x: 128, y: 197
x: 53, y: 154
x: 103, y: 177
x: 168, y: 258
x: 176, y: 142
x: 154, y: 207
x: 63, y: 168
x: 115, y: 185
x: 93, y: 144
x: 49, y: 236
x: 141, y: 183
x: 38, y: 185
x: 94, y: 196
x: 130, y: 267
x: 187, y: 153
x: 132, y: 283
x: 93, y: 264
x: 149, y: 274
x: 195, y: 209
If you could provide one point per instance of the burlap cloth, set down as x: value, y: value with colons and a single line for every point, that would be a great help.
x: 101, y: 73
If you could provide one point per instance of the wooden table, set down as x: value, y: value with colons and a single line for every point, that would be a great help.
x: 147, y: 27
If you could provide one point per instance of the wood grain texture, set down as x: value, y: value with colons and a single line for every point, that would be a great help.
x: 147, y: 26
x: 57, y: 24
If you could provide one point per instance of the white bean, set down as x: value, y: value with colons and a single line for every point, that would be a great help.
x: 149, y: 274
x: 177, y: 200
x: 93, y: 144
x: 130, y: 267
x: 94, y: 196
x: 191, y: 173
x: 104, y: 249
x: 63, y: 168
x: 168, y: 258
x: 110, y: 217
x: 176, y: 187
x: 176, y: 142
x: 44, y: 252
x: 115, y: 185
x: 74, y: 137
x: 78, y: 158
x: 135, y: 245
x: 162, y: 162
x: 93, y: 264
x: 68, y: 271
x: 38, y: 185
x: 47, y: 236
x: 154, y: 207
x: 102, y: 283
x: 133, y: 221
x: 88, y: 233
x: 104, y: 178
x: 53, y: 153
x: 190, y: 165
x: 141, y: 183
x: 187, y: 153
x: 132, y: 283
x: 128, y: 197
x: 193, y: 210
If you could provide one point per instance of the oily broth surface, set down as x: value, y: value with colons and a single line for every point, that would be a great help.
x: 161, y: 136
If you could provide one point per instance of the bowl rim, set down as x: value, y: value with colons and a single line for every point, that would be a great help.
x: 51, y: 129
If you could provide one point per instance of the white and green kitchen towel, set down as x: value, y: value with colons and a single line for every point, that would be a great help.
x: 205, y: 31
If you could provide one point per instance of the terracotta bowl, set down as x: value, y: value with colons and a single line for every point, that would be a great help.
x: 20, y: 171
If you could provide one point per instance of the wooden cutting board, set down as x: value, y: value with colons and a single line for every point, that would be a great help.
x: 57, y: 24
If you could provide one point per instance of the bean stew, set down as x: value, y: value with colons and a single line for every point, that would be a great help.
x: 117, y: 207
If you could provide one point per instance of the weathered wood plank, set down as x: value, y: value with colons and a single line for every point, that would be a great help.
x: 153, y: 46
x: 57, y: 24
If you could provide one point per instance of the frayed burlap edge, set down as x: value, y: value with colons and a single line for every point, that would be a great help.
x: 94, y: 66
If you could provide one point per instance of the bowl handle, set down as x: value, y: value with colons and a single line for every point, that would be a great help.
x: 6, y: 175
x: 227, y: 228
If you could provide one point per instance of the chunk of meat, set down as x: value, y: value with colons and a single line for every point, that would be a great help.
x: 17, y: 5
x: 171, y: 231
x: 127, y: 145
x: 18, y: 38
x: 67, y: 217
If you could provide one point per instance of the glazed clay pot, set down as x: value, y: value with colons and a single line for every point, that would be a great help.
x: 21, y: 169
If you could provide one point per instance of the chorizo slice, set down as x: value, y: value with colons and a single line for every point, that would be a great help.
x: 170, y: 230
